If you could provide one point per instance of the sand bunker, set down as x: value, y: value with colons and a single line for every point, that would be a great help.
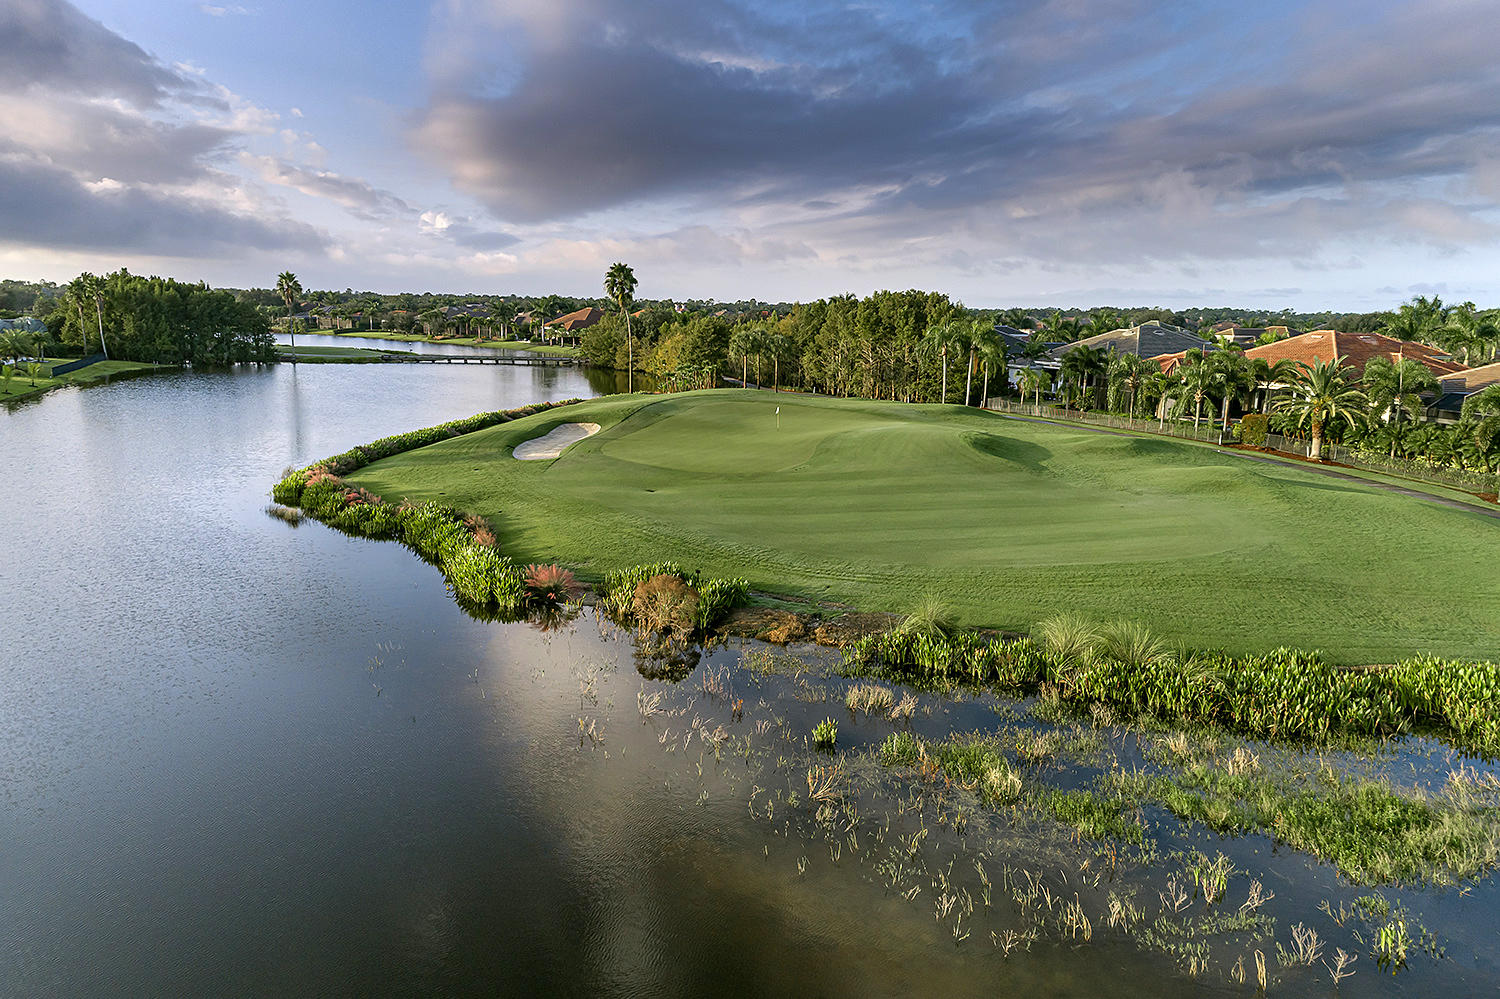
x: 551, y: 445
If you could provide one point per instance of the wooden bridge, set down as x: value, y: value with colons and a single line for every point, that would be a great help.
x: 520, y: 360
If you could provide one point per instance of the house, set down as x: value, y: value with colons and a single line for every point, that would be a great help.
x: 1357, y: 350
x: 1016, y: 342
x: 572, y: 325
x: 1456, y: 387
x: 1249, y: 335
x: 1147, y: 340
x: 24, y: 324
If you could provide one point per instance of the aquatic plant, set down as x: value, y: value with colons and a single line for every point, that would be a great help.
x: 869, y: 698
x: 550, y: 584
x: 825, y: 734
x: 666, y: 604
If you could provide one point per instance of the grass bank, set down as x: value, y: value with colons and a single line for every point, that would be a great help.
x: 878, y: 504
x: 552, y: 350
x: 336, y: 355
x: 20, y: 387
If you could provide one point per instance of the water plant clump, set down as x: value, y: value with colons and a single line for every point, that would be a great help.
x: 825, y: 734
x: 1285, y: 695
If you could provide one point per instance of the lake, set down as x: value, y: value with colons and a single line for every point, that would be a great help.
x: 242, y: 757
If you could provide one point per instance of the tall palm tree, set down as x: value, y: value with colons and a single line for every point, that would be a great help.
x: 1474, y: 334
x: 1065, y: 330
x: 93, y: 288
x: 1322, y: 395
x: 1481, y: 422
x: 78, y: 293
x: 1102, y: 321
x: 1394, y: 386
x: 940, y: 338
x: 1420, y: 319
x: 1017, y: 319
x: 991, y: 348
x: 619, y: 285
x: 290, y: 289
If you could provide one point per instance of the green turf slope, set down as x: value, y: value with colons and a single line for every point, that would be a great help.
x: 875, y: 504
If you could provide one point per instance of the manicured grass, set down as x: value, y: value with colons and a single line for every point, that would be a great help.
x: 20, y: 386
x: 463, y: 341
x: 877, y: 504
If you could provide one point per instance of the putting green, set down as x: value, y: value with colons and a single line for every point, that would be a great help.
x: 876, y: 504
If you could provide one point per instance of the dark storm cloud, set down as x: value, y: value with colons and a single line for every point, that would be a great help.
x: 47, y: 206
x: 1308, y: 122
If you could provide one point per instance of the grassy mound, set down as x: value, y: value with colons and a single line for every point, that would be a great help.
x: 877, y: 504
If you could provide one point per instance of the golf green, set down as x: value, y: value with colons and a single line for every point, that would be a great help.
x: 877, y: 504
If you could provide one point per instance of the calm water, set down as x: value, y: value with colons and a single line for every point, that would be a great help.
x: 242, y: 758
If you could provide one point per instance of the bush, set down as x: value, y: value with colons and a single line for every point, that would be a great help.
x: 665, y: 603
x: 620, y: 585
x: 1252, y: 429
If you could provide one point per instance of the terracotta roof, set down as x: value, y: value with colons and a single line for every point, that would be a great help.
x: 1357, y: 349
x: 582, y: 319
x: 1471, y: 380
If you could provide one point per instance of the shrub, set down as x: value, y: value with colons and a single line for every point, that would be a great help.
x: 1252, y: 429
x: 620, y: 585
x: 718, y: 597
x: 551, y: 584
x: 931, y: 618
x: 666, y: 603
x: 288, y: 492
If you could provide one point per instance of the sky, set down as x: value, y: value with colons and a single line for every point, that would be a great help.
x: 1327, y: 154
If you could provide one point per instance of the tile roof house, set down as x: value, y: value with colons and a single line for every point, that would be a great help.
x: 1458, y: 386
x: 26, y: 324
x: 575, y: 321
x: 1357, y: 350
x: 1147, y: 340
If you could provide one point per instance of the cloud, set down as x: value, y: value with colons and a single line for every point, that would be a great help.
x: 358, y: 197
x: 1088, y: 130
x: 51, y: 46
x: 108, y: 149
x: 214, y: 10
x: 108, y: 215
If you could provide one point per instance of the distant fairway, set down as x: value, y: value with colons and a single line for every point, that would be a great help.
x: 875, y: 504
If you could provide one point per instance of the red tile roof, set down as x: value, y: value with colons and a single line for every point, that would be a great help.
x: 1357, y: 349
x: 582, y: 319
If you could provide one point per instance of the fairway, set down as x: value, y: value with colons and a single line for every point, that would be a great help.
x: 876, y: 504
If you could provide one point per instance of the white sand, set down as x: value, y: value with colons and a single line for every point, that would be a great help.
x: 551, y: 445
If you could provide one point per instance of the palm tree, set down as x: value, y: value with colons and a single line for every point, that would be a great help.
x: 1420, y: 319
x: 1195, y: 381
x: 1033, y: 380
x: 290, y: 289
x: 1081, y: 364
x: 1469, y: 332
x: 93, y: 288
x: 1481, y: 421
x: 991, y: 348
x: 1016, y: 319
x: 1102, y: 321
x: 619, y: 285
x: 1062, y: 329
x: 1131, y: 371
x: 1322, y: 395
x: 1393, y: 386
x: 742, y: 342
x: 78, y: 293
x: 1270, y: 373
x: 1234, y: 379
x: 940, y: 337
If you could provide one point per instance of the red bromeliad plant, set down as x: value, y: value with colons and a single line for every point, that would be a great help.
x: 551, y: 584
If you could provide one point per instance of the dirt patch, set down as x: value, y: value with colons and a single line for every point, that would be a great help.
x: 767, y: 625
x: 847, y: 628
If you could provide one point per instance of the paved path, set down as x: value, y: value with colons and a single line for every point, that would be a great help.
x: 1332, y: 473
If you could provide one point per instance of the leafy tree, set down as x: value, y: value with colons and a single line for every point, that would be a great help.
x: 1322, y: 395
